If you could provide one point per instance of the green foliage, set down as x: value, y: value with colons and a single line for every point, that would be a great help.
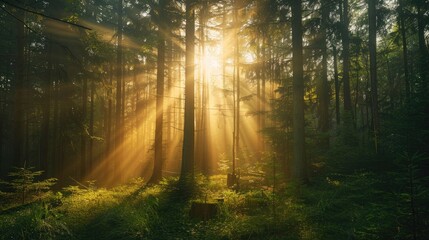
x: 340, y: 204
x: 38, y: 221
x: 24, y: 182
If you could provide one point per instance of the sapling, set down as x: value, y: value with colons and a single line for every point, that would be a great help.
x: 23, y: 182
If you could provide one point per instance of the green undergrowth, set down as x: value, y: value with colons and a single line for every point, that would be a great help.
x: 360, y: 204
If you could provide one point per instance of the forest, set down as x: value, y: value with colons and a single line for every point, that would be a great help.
x: 214, y: 119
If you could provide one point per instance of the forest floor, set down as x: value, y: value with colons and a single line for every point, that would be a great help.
x: 371, y: 202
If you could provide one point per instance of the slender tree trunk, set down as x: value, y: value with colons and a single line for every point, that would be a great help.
x: 83, y: 134
x: 204, y: 157
x: 55, y: 130
x: 119, y: 73
x: 18, y: 128
x: 237, y: 81
x: 263, y: 87
x: 224, y: 48
x: 258, y: 97
x: 323, y: 85
x: 404, y: 51
x: 346, y: 59
x: 45, y: 127
x: 187, y: 171
x: 423, y: 50
x: 170, y: 108
x: 109, y: 113
x: 347, y: 133
x: 157, y: 170
x: 299, y: 165
x: 373, y: 69
x: 91, y: 128
x: 337, y: 87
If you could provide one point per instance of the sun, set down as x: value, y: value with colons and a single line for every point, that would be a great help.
x: 211, y: 64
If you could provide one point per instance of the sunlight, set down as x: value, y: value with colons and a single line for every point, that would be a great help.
x: 249, y: 57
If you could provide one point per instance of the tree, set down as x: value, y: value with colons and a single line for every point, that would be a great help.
x: 323, y: 85
x: 187, y: 171
x: 299, y: 165
x: 346, y: 60
x: 373, y: 68
x: 157, y: 169
x: 119, y: 72
x: 404, y: 50
x: 347, y: 127
x: 19, y: 90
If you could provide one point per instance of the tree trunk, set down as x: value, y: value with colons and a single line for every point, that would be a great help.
x: 299, y: 165
x: 109, y: 114
x: 46, y: 113
x: 157, y: 169
x: 346, y: 59
x: 83, y: 134
x: 204, y: 128
x: 404, y: 51
x: 337, y: 87
x: 18, y: 128
x: 187, y: 171
x: 373, y: 69
x: 323, y: 85
x: 119, y: 72
x: 90, y: 161
x: 423, y: 50
x: 237, y: 82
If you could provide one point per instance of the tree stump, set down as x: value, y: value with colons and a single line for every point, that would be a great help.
x: 203, y: 210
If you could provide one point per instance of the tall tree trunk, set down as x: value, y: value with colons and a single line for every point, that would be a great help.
x: 83, y: 134
x: 337, y: 87
x: 187, y: 171
x: 170, y: 108
x: 109, y: 113
x: 237, y: 81
x: 46, y: 113
x: 18, y: 128
x: 373, y: 69
x: 346, y: 59
x: 263, y: 86
x: 157, y: 169
x: 55, y: 130
x: 347, y: 129
x: 323, y: 85
x: 204, y: 156
x: 119, y: 73
x: 404, y: 51
x: 258, y: 97
x: 91, y: 128
x: 423, y: 50
x: 299, y: 164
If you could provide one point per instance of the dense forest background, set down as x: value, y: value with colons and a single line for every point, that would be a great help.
x: 292, y: 97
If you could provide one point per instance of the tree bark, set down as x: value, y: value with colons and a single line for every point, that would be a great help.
x: 187, y: 171
x: 46, y: 113
x: 373, y: 69
x: 119, y: 73
x: 404, y: 51
x: 337, y: 87
x: 83, y: 134
x: 157, y: 169
x: 18, y: 128
x: 90, y: 161
x: 299, y: 166
x: 423, y: 50
x: 346, y: 58
x: 323, y: 85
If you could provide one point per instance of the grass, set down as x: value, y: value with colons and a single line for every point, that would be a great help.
x: 342, y: 205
